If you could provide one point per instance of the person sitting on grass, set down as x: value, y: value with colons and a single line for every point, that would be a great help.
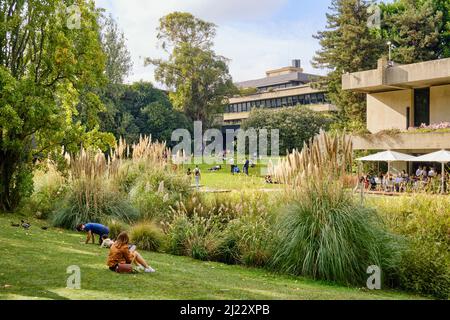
x: 93, y: 229
x: 120, y: 253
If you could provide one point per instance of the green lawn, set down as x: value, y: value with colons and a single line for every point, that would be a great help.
x: 33, y: 266
x: 223, y: 180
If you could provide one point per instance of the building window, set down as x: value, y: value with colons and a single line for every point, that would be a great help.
x: 289, y: 101
x: 307, y: 99
x: 284, y: 102
x: 320, y: 98
x: 278, y: 103
x: 294, y: 100
x: 314, y: 98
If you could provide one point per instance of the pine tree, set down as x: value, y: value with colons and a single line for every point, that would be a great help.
x: 418, y: 29
x: 348, y: 45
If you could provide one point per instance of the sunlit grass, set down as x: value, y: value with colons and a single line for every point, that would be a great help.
x: 34, y: 263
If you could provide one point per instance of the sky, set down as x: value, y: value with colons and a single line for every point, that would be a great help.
x: 256, y: 35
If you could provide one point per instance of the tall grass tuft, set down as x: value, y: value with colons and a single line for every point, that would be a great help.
x: 91, y: 195
x: 323, y: 233
x: 147, y: 236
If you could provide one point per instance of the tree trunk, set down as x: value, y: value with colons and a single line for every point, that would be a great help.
x: 8, y: 163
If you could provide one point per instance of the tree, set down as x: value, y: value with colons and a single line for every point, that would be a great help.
x: 118, y: 58
x: 347, y: 45
x: 297, y: 125
x: 418, y: 29
x: 141, y: 109
x: 198, y: 78
x: 46, y: 65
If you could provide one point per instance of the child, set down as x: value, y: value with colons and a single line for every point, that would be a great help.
x: 106, y: 242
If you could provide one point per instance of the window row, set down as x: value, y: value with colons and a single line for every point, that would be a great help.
x: 280, y: 86
x: 313, y: 98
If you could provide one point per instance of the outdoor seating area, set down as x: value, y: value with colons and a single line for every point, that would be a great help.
x: 424, y: 179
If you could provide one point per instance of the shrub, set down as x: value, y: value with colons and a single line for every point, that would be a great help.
x: 147, y: 236
x: 177, y: 235
x: 49, y: 189
x: 86, y: 204
x: 329, y: 240
x: 424, y: 221
x: 323, y: 233
x: 247, y: 240
x: 422, y: 217
x: 425, y: 268
x: 115, y: 228
x: 297, y: 125
x: 194, y: 236
x: 156, y: 190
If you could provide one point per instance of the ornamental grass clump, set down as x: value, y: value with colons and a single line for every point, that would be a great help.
x: 91, y: 195
x: 322, y: 233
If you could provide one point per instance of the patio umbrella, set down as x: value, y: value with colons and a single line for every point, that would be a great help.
x: 389, y: 157
x: 442, y: 157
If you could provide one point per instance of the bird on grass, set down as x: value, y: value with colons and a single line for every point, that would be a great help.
x: 15, y: 225
x: 44, y: 228
x: 25, y: 225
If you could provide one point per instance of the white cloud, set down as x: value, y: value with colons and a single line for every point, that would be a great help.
x: 246, y: 33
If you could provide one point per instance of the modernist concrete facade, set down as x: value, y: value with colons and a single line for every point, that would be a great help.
x: 283, y: 87
x: 403, y: 97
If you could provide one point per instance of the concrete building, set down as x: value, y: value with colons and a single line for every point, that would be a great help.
x: 402, y: 97
x: 283, y: 87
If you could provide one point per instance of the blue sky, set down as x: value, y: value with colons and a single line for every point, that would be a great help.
x: 256, y: 35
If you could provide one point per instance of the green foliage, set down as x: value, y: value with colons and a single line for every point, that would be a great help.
x: 329, y: 237
x: 425, y: 222
x: 116, y: 227
x: 419, y: 29
x: 46, y: 72
x: 348, y: 45
x: 297, y: 125
x: 82, y: 205
x: 147, y: 236
x: 118, y: 58
x: 140, y: 109
x: 49, y: 188
x: 155, y: 191
x: 425, y: 268
x: 177, y: 235
x: 199, y: 79
x: 247, y: 240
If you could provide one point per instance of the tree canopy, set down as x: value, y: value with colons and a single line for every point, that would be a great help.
x: 197, y: 78
x: 297, y: 125
x: 48, y: 60
x: 140, y: 109
x: 347, y: 45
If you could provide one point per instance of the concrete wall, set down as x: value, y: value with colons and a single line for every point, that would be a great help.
x: 440, y: 104
x: 421, y: 142
x: 387, y: 110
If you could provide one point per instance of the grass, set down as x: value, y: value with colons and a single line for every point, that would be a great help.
x: 34, y: 262
x: 225, y: 181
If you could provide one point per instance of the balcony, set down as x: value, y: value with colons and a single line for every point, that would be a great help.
x: 412, y: 142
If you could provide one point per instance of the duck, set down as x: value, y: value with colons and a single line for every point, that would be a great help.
x: 15, y: 225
